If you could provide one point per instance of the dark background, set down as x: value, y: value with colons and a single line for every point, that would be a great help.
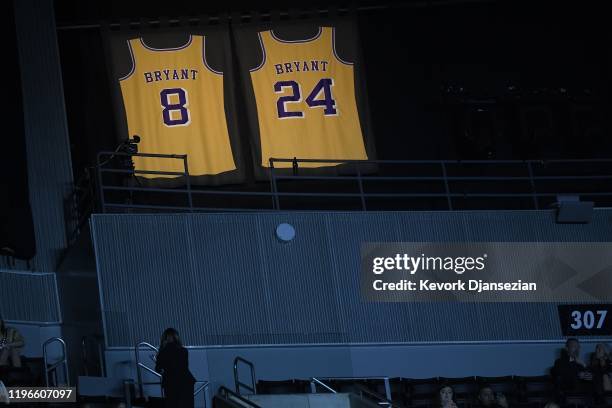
x: 461, y: 80
x: 446, y: 80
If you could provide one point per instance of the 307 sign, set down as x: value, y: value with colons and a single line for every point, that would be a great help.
x: 585, y: 320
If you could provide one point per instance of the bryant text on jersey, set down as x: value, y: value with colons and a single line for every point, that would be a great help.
x: 301, y: 66
x: 171, y: 75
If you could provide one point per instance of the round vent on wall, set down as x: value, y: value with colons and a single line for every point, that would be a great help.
x: 285, y: 232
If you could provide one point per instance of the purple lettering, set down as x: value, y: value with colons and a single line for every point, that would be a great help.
x: 279, y: 68
x: 157, y: 76
x: 148, y: 77
x: 296, y: 97
x: 184, y: 74
x: 170, y: 107
x: 288, y: 67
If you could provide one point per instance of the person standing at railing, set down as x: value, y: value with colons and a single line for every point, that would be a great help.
x: 172, y: 362
x: 11, y: 345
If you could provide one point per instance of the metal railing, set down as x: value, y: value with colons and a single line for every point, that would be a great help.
x: 140, y: 366
x: 237, y: 383
x: 447, y: 191
x: 235, y: 397
x: 359, y: 389
x: 381, y: 400
x: 52, y: 367
x: 202, y: 389
x: 105, y: 158
x: 315, y: 381
x: 535, y: 183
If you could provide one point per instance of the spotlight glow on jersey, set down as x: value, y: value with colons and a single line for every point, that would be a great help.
x: 306, y: 104
x: 174, y: 102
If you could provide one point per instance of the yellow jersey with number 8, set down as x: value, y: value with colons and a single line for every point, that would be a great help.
x: 306, y: 104
x: 174, y: 101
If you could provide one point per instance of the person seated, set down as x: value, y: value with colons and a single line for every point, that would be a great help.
x: 4, y: 397
x: 445, y: 397
x: 601, y: 369
x: 489, y: 399
x: 11, y: 345
x: 569, y: 369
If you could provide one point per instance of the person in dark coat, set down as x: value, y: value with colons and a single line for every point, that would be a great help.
x: 172, y: 362
x: 569, y: 369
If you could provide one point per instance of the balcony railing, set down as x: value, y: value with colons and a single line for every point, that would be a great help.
x: 372, y: 185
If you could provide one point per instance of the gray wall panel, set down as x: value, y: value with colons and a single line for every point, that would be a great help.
x: 46, y: 131
x: 226, y: 279
x: 29, y: 297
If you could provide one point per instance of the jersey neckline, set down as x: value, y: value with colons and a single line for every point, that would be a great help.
x: 167, y: 49
x: 317, y: 35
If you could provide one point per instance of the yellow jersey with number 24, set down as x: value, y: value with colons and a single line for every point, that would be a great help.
x: 306, y: 104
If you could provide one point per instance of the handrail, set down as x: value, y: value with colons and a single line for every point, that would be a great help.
x: 229, y: 394
x: 380, y: 399
x: 315, y: 381
x: 63, y: 361
x: 540, y: 181
x: 238, y: 383
x: 140, y: 366
x: 111, y: 155
x: 455, y: 161
x: 201, y: 388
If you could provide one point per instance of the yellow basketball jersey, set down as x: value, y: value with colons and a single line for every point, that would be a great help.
x: 174, y: 102
x: 306, y: 103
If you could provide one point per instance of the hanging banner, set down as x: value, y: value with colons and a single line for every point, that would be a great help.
x: 305, y: 94
x: 173, y: 89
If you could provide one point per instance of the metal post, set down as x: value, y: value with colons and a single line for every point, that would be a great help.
x: 138, y: 371
x: 189, y: 195
x: 446, y: 187
x: 100, y: 188
x: 84, y: 355
x: 63, y: 361
x: 360, y: 182
x: 274, y: 187
x: 238, y: 383
x: 127, y: 391
x: 387, y: 389
x: 532, y: 183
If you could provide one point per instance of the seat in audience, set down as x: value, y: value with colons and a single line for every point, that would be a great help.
x: 578, y: 398
x: 422, y: 391
x: 504, y: 384
x: 464, y: 387
x: 535, y: 389
x: 400, y: 390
